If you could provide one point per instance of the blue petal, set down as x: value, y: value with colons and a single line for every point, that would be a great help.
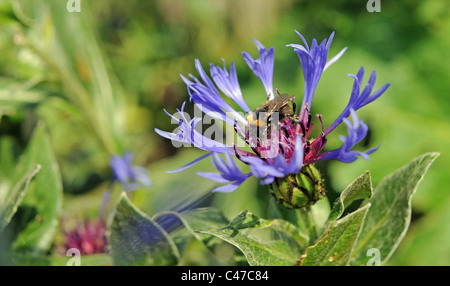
x: 356, y: 132
x: 261, y: 169
x: 190, y: 164
x: 188, y: 135
x: 314, y: 62
x: 267, y: 180
x: 229, y: 173
x: 228, y: 188
x: 121, y: 166
x: 213, y: 176
x: 263, y: 66
x: 128, y: 175
x: 141, y: 175
x: 358, y: 98
x: 229, y: 84
x: 207, y: 98
x: 297, y: 158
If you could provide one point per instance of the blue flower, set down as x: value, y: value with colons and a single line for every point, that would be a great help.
x: 131, y: 177
x: 269, y: 156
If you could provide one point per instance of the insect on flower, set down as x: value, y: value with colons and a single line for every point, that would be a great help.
x: 282, y: 106
x: 281, y: 153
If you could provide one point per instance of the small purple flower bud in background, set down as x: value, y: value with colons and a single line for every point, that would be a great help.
x: 88, y: 236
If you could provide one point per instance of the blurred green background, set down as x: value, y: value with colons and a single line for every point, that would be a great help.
x: 100, y: 79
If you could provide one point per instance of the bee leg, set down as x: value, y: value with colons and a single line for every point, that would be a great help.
x: 239, y: 132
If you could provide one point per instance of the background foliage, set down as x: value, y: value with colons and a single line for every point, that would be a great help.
x: 99, y: 80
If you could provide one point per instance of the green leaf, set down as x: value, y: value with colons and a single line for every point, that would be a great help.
x: 335, y: 247
x: 246, y: 219
x: 15, y: 196
x: 284, y: 243
x: 204, y: 220
x: 426, y: 243
x: 361, y: 188
x: 389, y: 217
x: 44, y: 197
x: 282, y: 229
x: 135, y: 239
x: 198, y: 219
x: 257, y: 252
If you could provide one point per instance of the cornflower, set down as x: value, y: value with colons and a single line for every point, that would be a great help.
x: 280, y: 152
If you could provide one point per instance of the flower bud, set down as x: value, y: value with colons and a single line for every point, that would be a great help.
x: 301, y: 190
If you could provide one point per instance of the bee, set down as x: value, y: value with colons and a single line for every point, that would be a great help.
x: 282, y: 104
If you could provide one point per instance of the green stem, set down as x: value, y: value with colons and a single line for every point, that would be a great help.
x: 307, y: 222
